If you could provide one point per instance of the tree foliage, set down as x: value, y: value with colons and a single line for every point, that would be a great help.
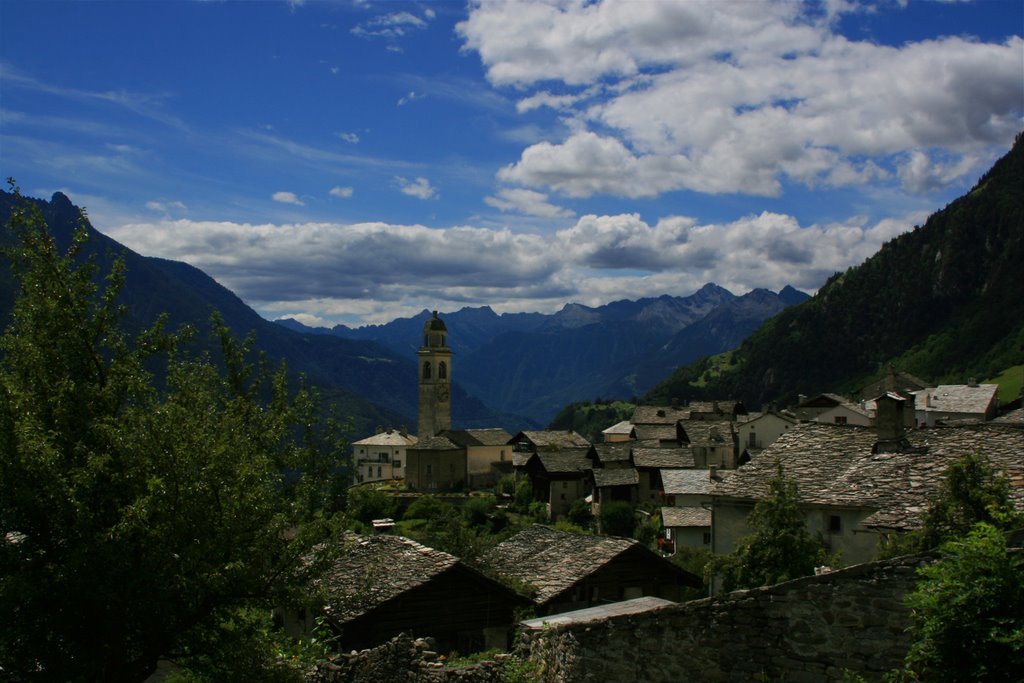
x: 141, y: 519
x: 779, y: 547
x: 616, y: 518
x: 971, y: 492
x: 968, y: 612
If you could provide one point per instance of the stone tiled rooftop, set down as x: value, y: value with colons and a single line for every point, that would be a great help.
x: 1015, y: 416
x: 391, y: 437
x: 479, y: 437
x: 551, y: 560
x: 599, y: 613
x: 615, y: 452
x: 834, y: 465
x: 658, y: 415
x: 556, y: 439
x: 663, y: 457
x: 685, y: 517
x: 618, y: 476
x: 656, y: 432
x: 436, y: 443
x: 686, y: 482
x: 956, y: 398
x: 709, y: 432
x: 565, y: 461
x: 376, y: 569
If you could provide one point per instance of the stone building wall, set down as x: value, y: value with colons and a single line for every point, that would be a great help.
x: 804, y: 631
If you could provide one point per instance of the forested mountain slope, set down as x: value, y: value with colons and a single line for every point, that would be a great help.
x: 944, y: 302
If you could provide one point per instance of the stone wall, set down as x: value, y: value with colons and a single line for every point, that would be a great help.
x: 809, y: 630
x: 804, y: 631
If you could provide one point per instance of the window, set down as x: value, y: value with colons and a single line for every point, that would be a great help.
x: 707, y: 538
x: 428, y: 469
x: 442, y: 370
x: 397, y: 463
x: 379, y: 473
x: 840, y: 419
x: 426, y: 369
x: 382, y: 457
x: 565, y: 484
x: 752, y: 441
x: 835, y: 524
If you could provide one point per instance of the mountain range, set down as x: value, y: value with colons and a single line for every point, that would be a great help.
x: 514, y: 370
x: 532, y: 364
x: 944, y: 302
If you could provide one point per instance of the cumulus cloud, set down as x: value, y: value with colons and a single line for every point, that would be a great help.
x: 342, y: 192
x: 527, y: 202
x: 351, y: 138
x: 419, y: 188
x: 734, y: 97
x: 377, y: 270
x: 287, y: 198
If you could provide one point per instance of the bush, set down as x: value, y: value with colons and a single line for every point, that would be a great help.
x: 617, y: 518
x: 429, y: 507
x: 367, y: 504
x: 579, y: 514
x: 478, y: 510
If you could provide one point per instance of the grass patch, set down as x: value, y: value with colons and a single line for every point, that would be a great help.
x: 1010, y: 382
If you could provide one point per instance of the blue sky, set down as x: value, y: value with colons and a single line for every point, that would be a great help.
x: 358, y: 161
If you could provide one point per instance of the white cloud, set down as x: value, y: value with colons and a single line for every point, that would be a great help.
x: 377, y: 271
x: 733, y: 97
x: 419, y: 188
x: 342, y: 192
x: 287, y: 198
x: 166, y: 207
x: 351, y: 138
x: 412, y: 96
x: 392, y: 26
x: 527, y: 202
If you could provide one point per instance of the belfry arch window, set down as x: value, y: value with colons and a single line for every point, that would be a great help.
x: 426, y: 370
x: 442, y: 370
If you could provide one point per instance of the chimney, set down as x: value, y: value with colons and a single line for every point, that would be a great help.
x: 801, y: 398
x: 403, y: 430
x: 713, y: 473
x: 889, y: 424
x: 972, y: 381
x: 380, y: 430
x: 675, y: 402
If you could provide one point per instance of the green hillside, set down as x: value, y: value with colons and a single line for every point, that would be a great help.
x: 944, y: 302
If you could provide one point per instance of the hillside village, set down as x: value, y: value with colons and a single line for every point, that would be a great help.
x: 867, y: 467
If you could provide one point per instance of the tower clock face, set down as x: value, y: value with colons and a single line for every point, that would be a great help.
x: 442, y: 392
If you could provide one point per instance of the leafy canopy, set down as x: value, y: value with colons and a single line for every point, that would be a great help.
x: 141, y: 519
x: 779, y: 547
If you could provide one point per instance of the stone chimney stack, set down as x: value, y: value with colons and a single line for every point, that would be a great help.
x: 890, y: 423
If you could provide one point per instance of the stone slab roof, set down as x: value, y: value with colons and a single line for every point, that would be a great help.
x: 613, y: 452
x: 618, y: 476
x: 554, y: 439
x: 834, y: 465
x: 656, y: 432
x: 436, y: 443
x: 563, y: 462
x: 391, y: 437
x: 1015, y: 416
x: 956, y: 398
x: 709, y: 432
x: 551, y: 560
x: 693, y: 482
x: 658, y: 415
x: 663, y: 457
x: 479, y: 437
x: 685, y: 517
x: 377, y: 569
x: 589, y: 614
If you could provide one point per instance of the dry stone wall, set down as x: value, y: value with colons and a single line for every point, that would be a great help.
x: 810, y: 630
x: 805, y: 631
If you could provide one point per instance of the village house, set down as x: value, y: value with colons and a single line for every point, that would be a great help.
x: 486, y: 452
x: 381, y: 586
x: 650, y: 463
x: 381, y: 456
x: 757, y: 431
x: 436, y: 464
x: 620, y: 431
x: 857, y: 483
x: 572, y: 571
x: 956, y: 402
x: 832, y: 409
x: 713, y: 442
x: 558, y: 478
x: 686, y: 516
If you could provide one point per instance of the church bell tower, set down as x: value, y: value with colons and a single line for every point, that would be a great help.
x: 435, y: 372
